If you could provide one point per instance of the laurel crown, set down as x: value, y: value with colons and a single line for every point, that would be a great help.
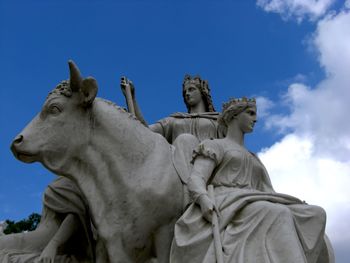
x: 196, y: 80
x: 238, y: 102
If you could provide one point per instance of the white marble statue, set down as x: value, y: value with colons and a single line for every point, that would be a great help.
x: 256, y: 224
x: 64, y: 234
x: 200, y: 119
x: 123, y: 169
x: 131, y: 178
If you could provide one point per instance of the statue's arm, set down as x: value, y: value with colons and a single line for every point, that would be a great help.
x: 68, y: 227
x: 197, y: 185
x: 34, y: 240
x: 127, y: 84
x: 158, y: 128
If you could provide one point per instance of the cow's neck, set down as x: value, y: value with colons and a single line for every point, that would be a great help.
x: 94, y: 172
x: 108, y: 165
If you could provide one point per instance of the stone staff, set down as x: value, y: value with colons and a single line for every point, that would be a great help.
x: 215, y: 226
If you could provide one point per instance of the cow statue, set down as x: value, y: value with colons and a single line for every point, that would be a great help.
x: 125, y: 171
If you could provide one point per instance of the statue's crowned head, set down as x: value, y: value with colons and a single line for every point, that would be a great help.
x: 234, y: 107
x: 203, y: 87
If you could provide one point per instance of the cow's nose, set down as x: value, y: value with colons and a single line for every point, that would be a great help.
x: 16, y: 143
x: 18, y: 140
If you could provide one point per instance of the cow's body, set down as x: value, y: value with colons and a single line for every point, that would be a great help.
x: 124, y: 170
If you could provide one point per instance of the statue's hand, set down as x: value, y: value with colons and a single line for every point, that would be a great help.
x: 48, y: 254
x: 207, y: 207
x: 124, y: 83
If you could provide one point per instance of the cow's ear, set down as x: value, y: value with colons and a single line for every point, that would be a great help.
x: 88, y: 89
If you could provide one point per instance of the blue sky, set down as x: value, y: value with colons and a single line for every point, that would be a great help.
x: 276, y: 51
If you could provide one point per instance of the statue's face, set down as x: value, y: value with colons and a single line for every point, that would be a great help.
x: 56, y: 135
x: 193, y: 95
x: 247, y: 119
x: 60, y: 128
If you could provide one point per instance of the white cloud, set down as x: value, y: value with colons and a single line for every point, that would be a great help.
x: 264, y: 105
x: 312, y: 161
x: 322, y: 112
x: 332, y: 39
x: 295, y: 169
x: 347, y: 4
x: 299, y: 78
x: 299, y: 9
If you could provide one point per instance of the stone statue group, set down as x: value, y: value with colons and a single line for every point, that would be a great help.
x: 184, y: 189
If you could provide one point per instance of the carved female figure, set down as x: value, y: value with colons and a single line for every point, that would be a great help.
x: 63, y: 235
x: 256, y: 223
x: 200, y: 120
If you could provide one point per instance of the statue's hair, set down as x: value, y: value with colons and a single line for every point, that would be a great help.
x: 234, y: 107
x: 63, y: 89
x: 203, y: 87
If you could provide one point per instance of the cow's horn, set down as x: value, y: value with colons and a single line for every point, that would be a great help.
x: 75, y: 76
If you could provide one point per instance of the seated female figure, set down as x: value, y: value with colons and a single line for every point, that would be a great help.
x: 256, y: 224
x: 63, y: 235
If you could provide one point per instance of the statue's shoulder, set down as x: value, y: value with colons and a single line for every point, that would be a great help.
x: 180, y: 115
x: 206, y: 115
x: 210, y: 148
x: 167, y: 121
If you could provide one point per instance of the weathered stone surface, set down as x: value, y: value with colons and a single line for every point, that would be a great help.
x: 200, y: 120
x: 256, y: 224
x: 131, y: 179
x: 123, y: 169
x: 64, y: 232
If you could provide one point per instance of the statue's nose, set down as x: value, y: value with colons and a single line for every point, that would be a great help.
x: 18, y: 140
x: 16, y: 143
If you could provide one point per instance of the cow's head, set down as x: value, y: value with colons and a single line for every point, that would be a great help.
x: 63, y: 125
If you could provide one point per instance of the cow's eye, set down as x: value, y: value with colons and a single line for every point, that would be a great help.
x: 54, y: 109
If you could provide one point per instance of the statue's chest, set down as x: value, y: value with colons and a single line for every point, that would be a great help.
x: 202, y: 128
x: 239, y: 168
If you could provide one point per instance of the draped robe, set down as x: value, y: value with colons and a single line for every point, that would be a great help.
x: 256, y: 223
x: 61, y: 197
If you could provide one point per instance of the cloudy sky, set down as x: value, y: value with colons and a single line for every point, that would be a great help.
x: 292, y: 55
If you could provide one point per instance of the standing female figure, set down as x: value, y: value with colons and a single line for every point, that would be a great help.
x: 183, y: 130
x: 256, y: 223
x: 200, y: 120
